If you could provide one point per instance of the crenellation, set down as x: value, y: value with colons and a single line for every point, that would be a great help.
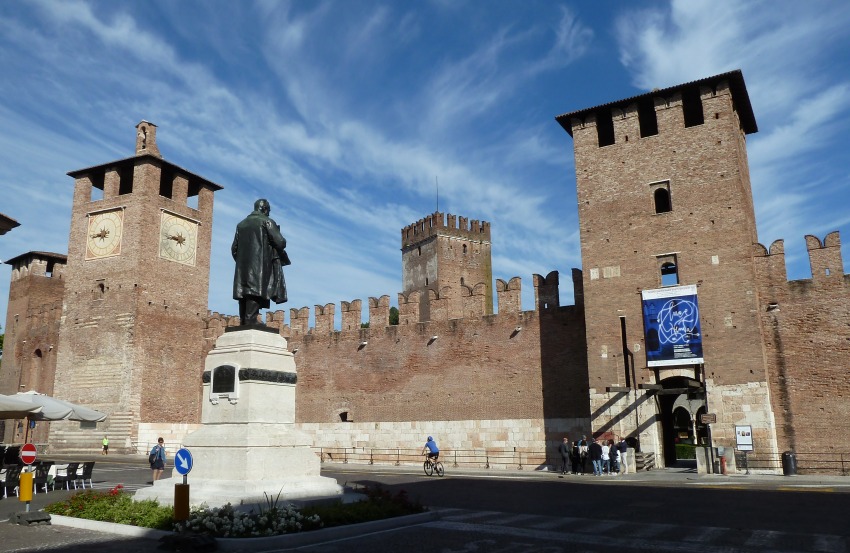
x: 825, y: 258
x: 439, y: 303
x: 546, y: 293
x: 408, y: 308
x: 379, y: 312
x: 325, y: 315
x: 299, y: 320
x: 474, y: 300
x: 626, y: 124
x: 352, y: 315
x: 509, y: 295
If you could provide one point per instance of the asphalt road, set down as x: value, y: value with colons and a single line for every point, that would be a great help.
x: 515, y: 512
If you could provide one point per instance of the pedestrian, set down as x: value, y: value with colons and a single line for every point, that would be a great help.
x: 105, y: 450
x: 157, y: 459
x: 575, y: 457
x: 613, y: 455
x: 595, y: 453
x: 623, y: 448
x: 564, y: 450
x: 606, y: 460
x: 582, y: 452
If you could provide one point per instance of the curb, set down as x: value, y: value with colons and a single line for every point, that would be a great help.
x: 109, y: 527
x: 269, y: 542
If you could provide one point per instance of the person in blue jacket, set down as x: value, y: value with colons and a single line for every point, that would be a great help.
x: 158, y: 455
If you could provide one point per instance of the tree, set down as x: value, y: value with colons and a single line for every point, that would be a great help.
x: 393, y: 315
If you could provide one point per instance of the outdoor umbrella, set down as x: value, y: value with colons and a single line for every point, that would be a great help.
x: 13, y: 408
x: 58, y: 409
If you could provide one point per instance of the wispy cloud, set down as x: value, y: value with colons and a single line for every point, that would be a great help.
x: 786, y: 51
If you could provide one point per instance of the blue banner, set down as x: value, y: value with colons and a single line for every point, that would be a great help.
x: 671, y: 326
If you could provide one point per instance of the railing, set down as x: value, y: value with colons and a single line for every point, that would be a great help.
x: 457, y: 458
x: 807, y: 463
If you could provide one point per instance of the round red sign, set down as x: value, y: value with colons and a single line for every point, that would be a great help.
x: 28, y: 452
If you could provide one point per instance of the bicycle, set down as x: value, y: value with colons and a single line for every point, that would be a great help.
x: 432, y: 466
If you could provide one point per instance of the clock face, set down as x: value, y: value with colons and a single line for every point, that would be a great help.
x: 178, y: 239
x: 104, y: 234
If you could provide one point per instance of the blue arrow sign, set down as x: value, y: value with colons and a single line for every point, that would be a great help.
x: 183, y: 461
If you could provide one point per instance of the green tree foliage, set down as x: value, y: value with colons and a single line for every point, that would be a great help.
x: 393, y: 315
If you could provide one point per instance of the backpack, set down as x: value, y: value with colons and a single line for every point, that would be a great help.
x: 152, y: 456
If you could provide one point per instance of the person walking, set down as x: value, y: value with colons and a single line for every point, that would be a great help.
x: 105, y: 450
x: 157, y: 456
x: 564, y: 450
x: 595, y: 454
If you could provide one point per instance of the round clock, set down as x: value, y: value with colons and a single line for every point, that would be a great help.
x: 104, y: 234
x: 178, y: 239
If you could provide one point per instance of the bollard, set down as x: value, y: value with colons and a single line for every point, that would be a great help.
x: 723, y: 465
x: 181, y: 502
x: 25, y: 487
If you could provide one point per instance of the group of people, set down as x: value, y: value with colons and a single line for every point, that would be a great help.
x: 605, y: 457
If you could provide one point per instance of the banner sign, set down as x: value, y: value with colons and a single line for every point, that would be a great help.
x: 671, y: 326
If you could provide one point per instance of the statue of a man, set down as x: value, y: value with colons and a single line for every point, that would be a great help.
x: 259, y: 250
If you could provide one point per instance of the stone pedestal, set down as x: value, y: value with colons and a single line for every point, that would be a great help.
x: 249, y: 444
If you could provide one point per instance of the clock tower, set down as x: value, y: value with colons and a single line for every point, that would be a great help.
x: 136, y: 288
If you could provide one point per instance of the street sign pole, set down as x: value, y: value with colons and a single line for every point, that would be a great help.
x: 28, y: 455
x: 182, y: 464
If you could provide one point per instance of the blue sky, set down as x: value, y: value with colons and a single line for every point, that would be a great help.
x: 344, y: 114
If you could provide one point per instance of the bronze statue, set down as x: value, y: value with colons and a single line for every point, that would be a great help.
x: 259, y: 250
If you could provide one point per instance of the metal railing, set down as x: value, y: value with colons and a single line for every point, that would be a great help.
x: 807, y: 463
x: 457, y: 458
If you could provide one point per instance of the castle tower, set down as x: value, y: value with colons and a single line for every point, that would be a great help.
x: 32, y: 332
x: 443, y: 253
x: 666, y: 211
x: 136, y: 289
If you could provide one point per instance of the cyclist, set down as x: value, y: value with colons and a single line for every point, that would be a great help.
x: 432, y: 449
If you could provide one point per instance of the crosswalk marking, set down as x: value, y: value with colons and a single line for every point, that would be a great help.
x: 633, y: 536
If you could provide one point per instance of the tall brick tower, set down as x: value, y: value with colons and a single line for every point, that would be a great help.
x: 446, y: 255
x: 666, y: 211
x: 136, y: 287
x: 32, y: 332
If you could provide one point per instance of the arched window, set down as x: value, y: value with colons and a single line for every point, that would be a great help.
x: 662, y: 200
x: 669, y: 274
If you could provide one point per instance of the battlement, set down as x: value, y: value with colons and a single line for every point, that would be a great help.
x: 43, y: 264
x: 824, y: 259
x: 446, y: 225
x: 686, y: 105
x: 473, y: 300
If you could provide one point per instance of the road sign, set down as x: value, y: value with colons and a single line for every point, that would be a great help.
x: 28, y: 453
x: 183, y: 461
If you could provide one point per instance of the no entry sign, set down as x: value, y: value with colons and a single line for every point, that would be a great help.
x: 28, y: 454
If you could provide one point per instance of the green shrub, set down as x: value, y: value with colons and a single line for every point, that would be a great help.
x: 116, y: 506
x: 686, y: 451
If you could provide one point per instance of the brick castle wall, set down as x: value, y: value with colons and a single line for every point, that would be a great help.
x: 807, y: 335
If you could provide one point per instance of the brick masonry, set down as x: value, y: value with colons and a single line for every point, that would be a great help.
x: 775, y: 351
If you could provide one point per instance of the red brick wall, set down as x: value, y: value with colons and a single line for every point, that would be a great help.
x: 807, y: 335
x: 32, y: 334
